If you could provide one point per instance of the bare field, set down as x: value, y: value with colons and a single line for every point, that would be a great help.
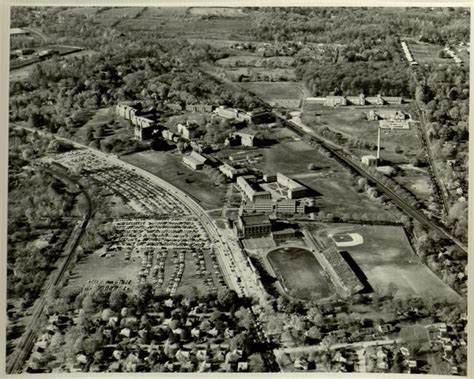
x: 386, y: 257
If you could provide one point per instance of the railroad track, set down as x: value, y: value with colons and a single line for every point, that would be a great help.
x: 16, y: 361
x: 340, y: 154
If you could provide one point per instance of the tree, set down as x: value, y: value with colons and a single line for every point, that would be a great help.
x: 117, y: 299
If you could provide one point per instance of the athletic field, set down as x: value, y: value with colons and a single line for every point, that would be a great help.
x: 300, y: 274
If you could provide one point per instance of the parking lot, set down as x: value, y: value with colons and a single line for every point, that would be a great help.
x: 139, y: 193
x: 165, y: 245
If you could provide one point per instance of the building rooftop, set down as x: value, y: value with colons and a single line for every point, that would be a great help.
x: 18, y: 31
x: 255, y: 220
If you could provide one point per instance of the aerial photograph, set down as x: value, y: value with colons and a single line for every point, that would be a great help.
x: 237, y: 189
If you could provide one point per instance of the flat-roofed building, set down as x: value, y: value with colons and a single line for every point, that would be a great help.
x: 295, y: 189
x: 254, y: 226
x: 189, y: 130
x: 283, y: 235
x: 267, y: 206
x: 249, y: 186
x: 369, y: 160
x: 394, y: 124
x: 238, y: 138
x: 334, y: 101
x: 201, y: 107
x: 227, y: 113
x: 386, y: 114
x: 194, y: 160
x: 232, y: 172
x: 286, y: 206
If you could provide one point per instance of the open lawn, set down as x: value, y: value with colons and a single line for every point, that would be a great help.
x: 169, y: 167
x: 386, y: 257
x: 428, y: 53
x: 330, y: 181
x: 269, y: 91
x: 300, y: 274
x: 352, y: 123
x: 398, y: 147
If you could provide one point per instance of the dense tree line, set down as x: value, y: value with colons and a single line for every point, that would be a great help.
x: 444, y: 91
x: 37, y: 203
x: 344, y: 25
x: 370, y: 78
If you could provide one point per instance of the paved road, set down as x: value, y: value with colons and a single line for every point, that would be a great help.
x: 224, y: 255
x: 16, y: 360
x: 402, y: 204
x: 439, y: 187
x: 319, y: 347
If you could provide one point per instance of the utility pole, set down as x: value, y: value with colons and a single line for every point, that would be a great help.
x: 378, y: 144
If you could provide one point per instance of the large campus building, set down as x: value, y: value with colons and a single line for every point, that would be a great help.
x: 232, y: 172
x: 267, y: 206
x: 249, y: 186
x: 256, y: 116
x: 333, y: 101
x: 254, y: 226
x: 243, y: 139
x: 194, y: 160
x: 188, y: 131
x: 390, y: 118
x: 295, y: 190
x: 145, y: 126
x: 361, y: 100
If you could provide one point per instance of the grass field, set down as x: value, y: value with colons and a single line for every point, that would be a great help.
x: 300, y: 273
x: 428, y: 53
x: 386, y: 257
x: 398, y: 147
x: 169, y: 167
x: 330, y: 180
x: 269, y: 91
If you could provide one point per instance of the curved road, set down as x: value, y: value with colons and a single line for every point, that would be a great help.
x: 224, y: 256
